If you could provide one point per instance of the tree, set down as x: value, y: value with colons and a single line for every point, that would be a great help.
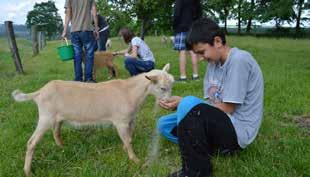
x: 148, y: 12
x: 221, y: 7
x: 117, y: 14
x: 46, y: 16
x: 276, y: 10
x: 239, y: 13
x: 142, y: 14
x: 161, y: 20
x: 250, y: 10
x: 245, y: 13
x: 300, y: 6
x: 240, y: 3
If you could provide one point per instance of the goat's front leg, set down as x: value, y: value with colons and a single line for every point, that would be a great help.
x: 125, y: 135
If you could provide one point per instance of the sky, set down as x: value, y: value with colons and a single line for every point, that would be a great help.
x: 16, y: 11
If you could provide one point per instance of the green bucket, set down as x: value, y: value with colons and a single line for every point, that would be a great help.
x: 65, y: 52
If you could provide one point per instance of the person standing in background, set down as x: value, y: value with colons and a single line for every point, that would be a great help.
x: 80, y: 14
x: 103, y: 33
x: 185, y: 13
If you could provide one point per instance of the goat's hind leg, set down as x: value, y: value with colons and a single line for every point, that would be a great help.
x: 57, y: 133
x: 43, y: 125
x: 125, y: 135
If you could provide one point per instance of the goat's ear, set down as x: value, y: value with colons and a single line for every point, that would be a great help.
x: 154, y: 79
x: 166, y: 67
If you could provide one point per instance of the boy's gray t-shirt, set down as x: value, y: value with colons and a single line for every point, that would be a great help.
x: 144, y: 52
x: 240, y: 81
x: 81, y: 14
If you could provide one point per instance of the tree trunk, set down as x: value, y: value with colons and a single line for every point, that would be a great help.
x: 225, y: 27
x: 239, y: 16
x: 226, y: 13
x: 249, y: 25
x: 278, y: 25
x: 298, y: 19
x: 35, y: 45
x: 13, y: 47
x: 143, y: 28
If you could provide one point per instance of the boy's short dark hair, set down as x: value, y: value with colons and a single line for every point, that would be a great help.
x: 203, y: 31
x: 127, y: 34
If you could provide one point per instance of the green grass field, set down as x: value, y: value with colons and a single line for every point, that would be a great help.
x: 281, y: 148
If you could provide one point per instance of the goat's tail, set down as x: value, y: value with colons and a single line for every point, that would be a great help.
x: 20, y: 96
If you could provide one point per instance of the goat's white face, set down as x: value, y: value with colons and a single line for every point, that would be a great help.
x: 162, y: 82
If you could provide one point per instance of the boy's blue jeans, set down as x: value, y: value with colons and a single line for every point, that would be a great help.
x: 135, y: 66
x: 87, y: 40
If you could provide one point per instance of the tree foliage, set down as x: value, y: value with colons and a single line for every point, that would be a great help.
x: 148, y: 16
x: 45, y: 15
x: 140, y: 15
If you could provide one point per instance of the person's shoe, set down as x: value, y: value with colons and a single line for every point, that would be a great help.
x: 196, y: 78
x: 77, y: 80
x: 91, y: 81
x: 179, y: 173
x: 181, y: 80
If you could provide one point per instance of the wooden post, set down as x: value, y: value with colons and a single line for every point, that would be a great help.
x: 39, y: 40
x: 44, y: 39
x: 35, y: 46
x: 13, y: 46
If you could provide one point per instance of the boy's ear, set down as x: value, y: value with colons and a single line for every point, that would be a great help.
x: 218, y: 41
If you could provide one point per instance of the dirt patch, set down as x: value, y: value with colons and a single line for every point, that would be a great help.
x: 303, y: 121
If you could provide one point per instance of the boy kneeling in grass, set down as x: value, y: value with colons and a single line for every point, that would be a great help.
x: 230, y: 118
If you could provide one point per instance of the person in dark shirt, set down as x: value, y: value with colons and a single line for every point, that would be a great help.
x: 103, y: 33
x: 185, y: 13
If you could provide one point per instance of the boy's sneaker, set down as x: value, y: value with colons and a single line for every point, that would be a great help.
x: 196, y: 78
x: 179, y: 173
x: 91, y: 81
x: 182, y: 80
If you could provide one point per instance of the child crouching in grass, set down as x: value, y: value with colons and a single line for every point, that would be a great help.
x: 138, y: 57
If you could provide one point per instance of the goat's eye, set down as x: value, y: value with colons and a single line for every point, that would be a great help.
x: 163, y: 89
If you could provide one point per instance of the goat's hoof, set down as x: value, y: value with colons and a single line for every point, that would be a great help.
x: 135, y: 159
x: 61, y: 145
x: 27, y: 172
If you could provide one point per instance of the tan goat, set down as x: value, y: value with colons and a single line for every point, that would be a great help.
x: 103, y: 59
x: 115, y: 101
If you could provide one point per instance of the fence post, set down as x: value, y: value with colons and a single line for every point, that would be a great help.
x: 39, y: 40
x: 13, y: 46
x: 35, y: 46
x: 43, y: 38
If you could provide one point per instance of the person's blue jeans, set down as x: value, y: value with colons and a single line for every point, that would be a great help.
x: 167, y: 123
x: 135, y: 66
x: 87, y: 40
x: 103, y: 37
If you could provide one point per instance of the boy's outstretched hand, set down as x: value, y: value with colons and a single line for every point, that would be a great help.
x: 170, y: 103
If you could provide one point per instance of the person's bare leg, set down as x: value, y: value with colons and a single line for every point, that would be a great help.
x: 182, y: 65
x: 194, y: 64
